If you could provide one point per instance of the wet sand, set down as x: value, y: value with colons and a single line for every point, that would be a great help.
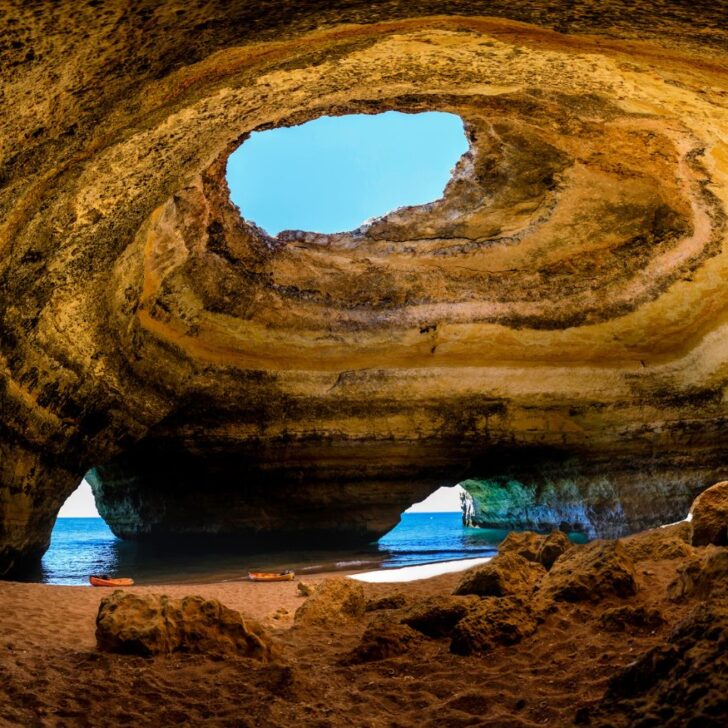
x: 52, y: 675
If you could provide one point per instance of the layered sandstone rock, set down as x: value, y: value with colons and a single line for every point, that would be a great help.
x: 554, y: 327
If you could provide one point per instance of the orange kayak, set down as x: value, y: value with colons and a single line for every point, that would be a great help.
x: 108, y: 581
x: 271, y: 576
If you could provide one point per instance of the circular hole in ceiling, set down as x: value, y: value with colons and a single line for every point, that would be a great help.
x: 333, y: 174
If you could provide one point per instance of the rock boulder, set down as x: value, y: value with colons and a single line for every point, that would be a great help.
x: 334, y: 601
x: 683, y: 682
x: 491, y: 622
x: 523, y: 543
x: 590, y: 573
x: 710, y: 516
x: 437, y: 616
x: 704, y: 576
x: 535, y: 546
x: 555, y: 544
x: 383, y: 640
x: 154, y: 624
x: 505, y: 575
x: 668, y: 542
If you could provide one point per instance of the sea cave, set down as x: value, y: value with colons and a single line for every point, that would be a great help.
x: 546, y: 328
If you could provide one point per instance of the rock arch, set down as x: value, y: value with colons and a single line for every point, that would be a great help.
x: 564, y: 301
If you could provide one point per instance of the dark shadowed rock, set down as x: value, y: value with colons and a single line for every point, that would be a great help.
x: 389, y: 601
x: 491, y: 622
x: 680, y: 684
x: 506, y: 574
x: 383, y: 640
x: 436, y: 616
x: 154, y: 624
x: 710, y: 516
x: 334, y: 601
x: 626, y: 618
x: 668, y: 542
x: 555, y: 544
x: 599, y: 569
x: 704, y: 576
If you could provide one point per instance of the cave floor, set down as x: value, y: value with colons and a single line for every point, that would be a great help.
x: 51, y: 673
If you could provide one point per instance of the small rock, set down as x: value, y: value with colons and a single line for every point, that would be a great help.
x: 555, y: 544
x: 304, y: 589
x: 506, y: 574
x: 709, y: 514
x: 335, y: 600
x: 491, y: 622
x: 668, y: 542
x: 391, y: 601
x: 704, y: 576
x: 620, y: 619
x: 437, y: 616
x: 592, y: 572
x: 535, y: 546
x: 154, y: 624
x: 523, y: 543
x: 381, y: 641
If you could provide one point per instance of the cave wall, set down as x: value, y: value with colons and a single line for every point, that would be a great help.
x: 565, y: 300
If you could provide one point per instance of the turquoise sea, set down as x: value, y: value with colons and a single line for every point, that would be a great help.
x: 83, y: 546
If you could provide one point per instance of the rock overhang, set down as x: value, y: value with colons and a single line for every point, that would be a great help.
x: 565, y: 298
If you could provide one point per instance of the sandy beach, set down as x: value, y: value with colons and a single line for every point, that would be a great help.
x: 52, y: 675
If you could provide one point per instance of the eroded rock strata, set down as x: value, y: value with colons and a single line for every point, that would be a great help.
x: 557, y: 319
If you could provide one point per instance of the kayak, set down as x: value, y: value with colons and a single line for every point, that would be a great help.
x: 108, y: 581
x: 271, y: 576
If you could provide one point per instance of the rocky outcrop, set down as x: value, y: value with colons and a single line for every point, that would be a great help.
x: 666, y: 542
x: 389, y: 601
x: 590, y: 573
x: 505, y: 575
x: 682, y: 682
x: 628, y: 618
x: 492, y: 622
x: 382, y: 640
x: 335, y: 600
x: 536, y: 547
x: 709, y: 516
x: 554, y: 326
x: 704, y: 576
x: 154, y: 624
x: 437, y: 616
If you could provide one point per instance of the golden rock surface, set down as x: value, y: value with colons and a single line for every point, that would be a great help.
x: 558, y: 319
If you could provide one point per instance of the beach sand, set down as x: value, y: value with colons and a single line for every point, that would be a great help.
x: 52, y: 675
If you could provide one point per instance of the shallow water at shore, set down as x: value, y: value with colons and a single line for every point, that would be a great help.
x: 83, y: 546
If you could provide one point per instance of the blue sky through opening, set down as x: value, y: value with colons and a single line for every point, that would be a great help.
x: 334, y: 173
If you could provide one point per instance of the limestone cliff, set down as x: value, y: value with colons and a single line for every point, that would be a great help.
x: 557, y: 319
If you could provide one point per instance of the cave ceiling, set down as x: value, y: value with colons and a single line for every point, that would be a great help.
x: 560, y: 314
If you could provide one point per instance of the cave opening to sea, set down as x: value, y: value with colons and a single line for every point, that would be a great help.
x: 335, y: 173
x: 82, y: 543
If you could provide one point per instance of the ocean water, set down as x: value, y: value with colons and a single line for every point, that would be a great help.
x: 83, y: 546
